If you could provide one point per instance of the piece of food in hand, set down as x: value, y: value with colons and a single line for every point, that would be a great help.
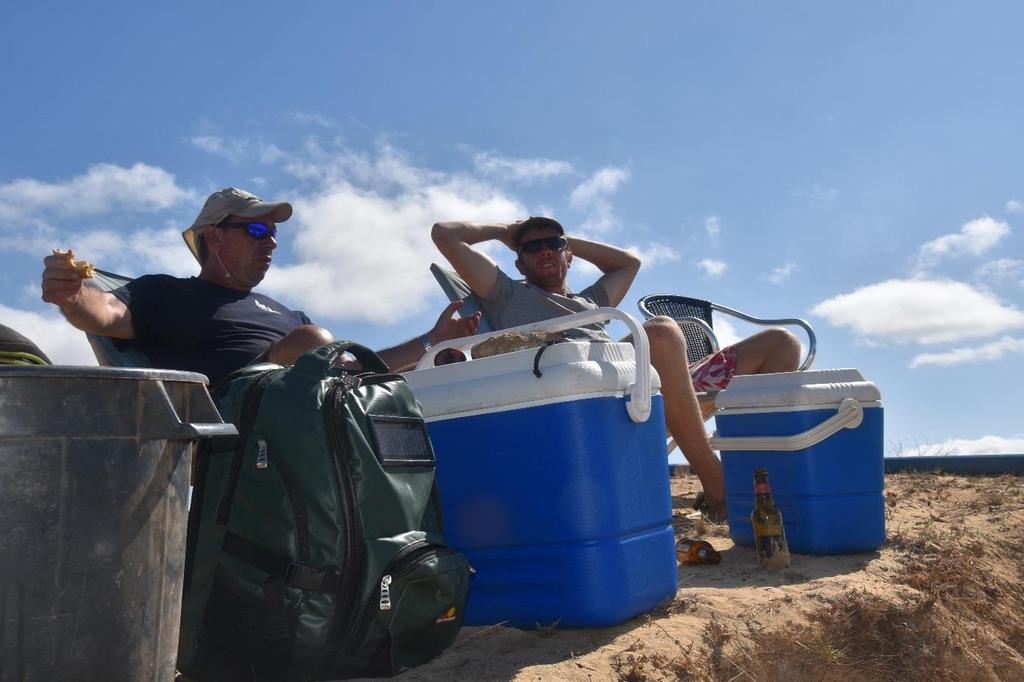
x: 513, y: 341
x: 85, y: 269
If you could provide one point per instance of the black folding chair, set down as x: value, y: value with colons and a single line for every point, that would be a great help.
x: 114, y: 352
x: 694, y: 317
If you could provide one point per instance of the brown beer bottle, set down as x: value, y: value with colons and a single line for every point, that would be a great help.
x: 769, y: 533
x: 693, y: 552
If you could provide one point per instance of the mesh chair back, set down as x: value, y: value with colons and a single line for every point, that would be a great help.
x: 697, y: 345
x: 456, y: 289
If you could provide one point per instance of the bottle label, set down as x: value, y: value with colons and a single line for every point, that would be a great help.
x: 762, y: 489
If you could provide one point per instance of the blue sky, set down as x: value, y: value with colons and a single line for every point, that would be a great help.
x: 857, y: 165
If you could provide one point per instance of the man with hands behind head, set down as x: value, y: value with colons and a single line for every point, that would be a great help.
x: 215, y: 323
x: 544, y: 256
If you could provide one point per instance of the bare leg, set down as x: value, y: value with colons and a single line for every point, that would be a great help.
x: 773, y: 350
x: 298, y: 341
x: 682, y: 412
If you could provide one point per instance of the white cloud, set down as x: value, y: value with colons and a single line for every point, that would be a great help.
x: 959, y: 356
x: 387, y: 170
x: 519, y: 170
x: 919, y: 311
x: 713, y: 267
x: 1014, y: 206
x: 160, y: 251
x: 713, y: 226
x: 591, y: 197
x: 818, y: 193
x: 652, y: 254
x: 782, y: 273
x: 974, y: 238
x: 362, y: 240
x: 314, y: 119
x: 1002, y: 270
x: 134, y: 253
x: 726, y: 331
x: 238, y: 150
x: 61, y: 342
x: 986, y: 445
x: 603, y: 182
x: 103, y: 188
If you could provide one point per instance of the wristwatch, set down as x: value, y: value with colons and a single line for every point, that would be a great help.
x: 425, y: 342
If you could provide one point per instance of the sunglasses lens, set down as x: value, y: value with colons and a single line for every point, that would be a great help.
x: 260, y: 231
x: 537, y: 245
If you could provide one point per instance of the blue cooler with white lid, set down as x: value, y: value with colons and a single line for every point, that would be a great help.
x: 553, y: 477
x: 819, y: 433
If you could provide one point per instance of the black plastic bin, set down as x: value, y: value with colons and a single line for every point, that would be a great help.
x: 94, y: 482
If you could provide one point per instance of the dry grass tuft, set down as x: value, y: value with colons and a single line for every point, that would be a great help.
x: 856, y: 636
x: 963, y: 619
x: 950, y: 569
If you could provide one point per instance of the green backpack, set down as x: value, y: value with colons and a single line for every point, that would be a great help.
x: 315, y: 547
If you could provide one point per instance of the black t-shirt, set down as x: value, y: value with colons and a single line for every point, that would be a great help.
x: 195, y: 325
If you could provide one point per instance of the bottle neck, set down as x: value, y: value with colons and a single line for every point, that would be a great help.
x: 762, y: 493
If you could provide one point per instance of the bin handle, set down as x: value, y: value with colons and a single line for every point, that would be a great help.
x: 849, y: 416
x: 168, y: 424
x: 639, y: 404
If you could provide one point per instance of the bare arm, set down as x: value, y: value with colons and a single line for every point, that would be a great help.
x: 455, y: 239
x: 618, y: 265
x: 406, y: 355
x: 86, y: 307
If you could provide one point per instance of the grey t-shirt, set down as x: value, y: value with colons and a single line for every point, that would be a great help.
x: 516, y: 302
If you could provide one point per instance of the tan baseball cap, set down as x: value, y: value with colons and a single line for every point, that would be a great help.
x: 233, y: 201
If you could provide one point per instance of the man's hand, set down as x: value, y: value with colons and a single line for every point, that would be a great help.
x: 508, y: 238
x: 61, y: 282
x: 450, y: 327
x: 86, y: 307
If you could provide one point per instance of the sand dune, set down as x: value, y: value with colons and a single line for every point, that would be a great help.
x: 942, y: 599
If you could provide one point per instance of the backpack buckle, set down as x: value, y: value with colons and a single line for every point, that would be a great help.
x: 306, y: 578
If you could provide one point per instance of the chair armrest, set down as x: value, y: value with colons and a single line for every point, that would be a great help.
x: 812, y: 343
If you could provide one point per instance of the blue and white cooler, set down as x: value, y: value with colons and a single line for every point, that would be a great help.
x: 819, y: 435
x: 553, y: 477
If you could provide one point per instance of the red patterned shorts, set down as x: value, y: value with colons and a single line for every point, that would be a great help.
x: 714, y: 372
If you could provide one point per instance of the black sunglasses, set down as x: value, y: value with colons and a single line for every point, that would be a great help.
x: 538, y: 245
x: 259, y: 231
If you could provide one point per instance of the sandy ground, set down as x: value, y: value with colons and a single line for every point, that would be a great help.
x: 942, y: 599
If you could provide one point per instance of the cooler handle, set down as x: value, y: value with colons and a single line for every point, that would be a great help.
x: 849, y: 416
x: 639, y: 404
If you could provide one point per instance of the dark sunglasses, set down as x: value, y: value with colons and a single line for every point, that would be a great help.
x: 538, y: 245
x: 256, y: 230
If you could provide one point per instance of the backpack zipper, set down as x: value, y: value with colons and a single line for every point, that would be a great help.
x: 355, y: 550
x: 420, y: 548
x: 371, y: 379
x: 246, y: 421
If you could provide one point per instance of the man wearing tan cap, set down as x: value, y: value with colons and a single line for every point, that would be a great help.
x: 543, y: 257
x: 215, y: 323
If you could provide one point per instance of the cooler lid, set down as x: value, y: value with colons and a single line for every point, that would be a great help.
x: 568, y: 371
x: 785, y: 389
